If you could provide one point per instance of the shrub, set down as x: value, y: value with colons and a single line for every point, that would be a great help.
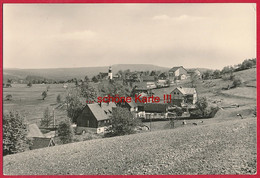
x: 179, y: 111
x: 203, y: 109
x: 8, y: 97
x: 65, y: 131
x: 58, y: 99
x: 14, y: 133
x: 237, y: 81
x: 29, y: 84
x: 44, y: 95
x: 122, y: 122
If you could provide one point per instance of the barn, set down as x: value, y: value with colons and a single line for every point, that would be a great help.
x: 96, y: 115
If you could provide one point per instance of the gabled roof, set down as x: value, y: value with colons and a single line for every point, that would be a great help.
x: 101, y: 112
x: 176, y: 68
x: 148, y: 78
x: 142, y: 86
x: 132, y: 104
x: 163, y: 74
x: 41, y: 143
x: 34, y: 131
x: 186, y: 91
x: 155, y: 107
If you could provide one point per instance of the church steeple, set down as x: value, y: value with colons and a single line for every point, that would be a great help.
x: 110, y: 75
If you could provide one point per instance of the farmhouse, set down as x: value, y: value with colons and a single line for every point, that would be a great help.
x: 182, y: 96
x: 95, y: 115
x: 179, y: 73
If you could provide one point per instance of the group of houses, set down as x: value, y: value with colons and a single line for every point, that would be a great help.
x: 97, y: 115
x: 142, y: 80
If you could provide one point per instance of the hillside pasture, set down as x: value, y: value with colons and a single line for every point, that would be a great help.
x: 219, y: 148
x: 28, y: 100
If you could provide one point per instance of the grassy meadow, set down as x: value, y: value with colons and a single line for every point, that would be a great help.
x: 28, y: 100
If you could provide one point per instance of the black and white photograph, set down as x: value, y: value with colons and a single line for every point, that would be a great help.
x: 129, y: 89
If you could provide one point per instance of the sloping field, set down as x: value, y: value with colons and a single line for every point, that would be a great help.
x: 222, y: 148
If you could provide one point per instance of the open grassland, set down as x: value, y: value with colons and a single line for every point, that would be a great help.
x: 220, y: 148
x: 29, y: 102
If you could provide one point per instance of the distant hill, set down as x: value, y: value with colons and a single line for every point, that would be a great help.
x: 69, y: 73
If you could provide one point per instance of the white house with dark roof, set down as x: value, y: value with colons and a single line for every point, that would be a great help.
x: 179, y: 72
x: 182, y: 95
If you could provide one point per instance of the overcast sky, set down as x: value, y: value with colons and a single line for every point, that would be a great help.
x: 84, y: 35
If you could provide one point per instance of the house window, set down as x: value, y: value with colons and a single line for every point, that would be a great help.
x: 175, y: 93
x: 178, y: 93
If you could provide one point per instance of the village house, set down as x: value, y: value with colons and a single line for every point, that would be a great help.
x: 96, y: 116
x: 179, y: 73
x: 184, y: 96
x: 149, y: 81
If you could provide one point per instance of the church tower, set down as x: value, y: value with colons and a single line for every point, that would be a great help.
x: 110, y: 76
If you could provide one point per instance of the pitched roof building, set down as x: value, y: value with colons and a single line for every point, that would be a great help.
x: 178, y: 72
x: 182, y: 95
x: 95, y: 115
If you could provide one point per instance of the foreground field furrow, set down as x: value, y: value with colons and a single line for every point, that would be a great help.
x: 222, y: 148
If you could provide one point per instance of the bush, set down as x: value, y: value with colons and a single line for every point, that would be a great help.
x: 29, y: 84
x: 237, y: 82
x: 44, y: 95
x: 65, y: 131
x: 8, y: 97
x: 14, y: 133
x: 122, y: 122
x: 203, y: 109
x: 58, y: 99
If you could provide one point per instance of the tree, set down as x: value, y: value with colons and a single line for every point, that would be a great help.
x: 122, y: 122
x: 29, y: 84
x: 47, y: 119
x: 193, y: 79
x: 58, y: 99
x: 86, y: 79
x: 202, y: 104
x: 9, y: 80
x: 65, y: 131
x: 8, y: 85
x: 74, y: 104
x: 153, y: 73
x: 9, y: 97
x: 44, y: 95
x: 88, y: 91
x: 216, y: 74
x: 94, y: 79
x: 14, y: 133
